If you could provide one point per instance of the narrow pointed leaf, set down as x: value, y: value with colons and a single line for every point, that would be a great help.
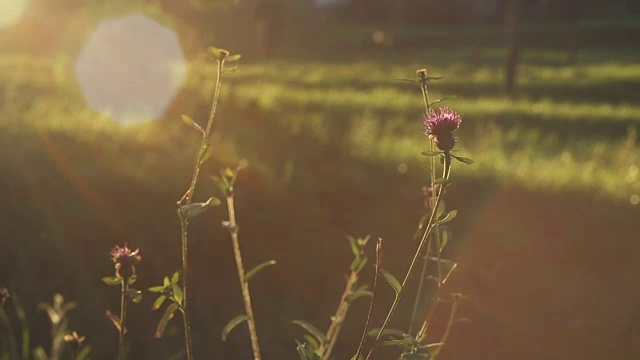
x: 115, y: 320
x: 398, y: 342
x: 395, y: 284
x: 196, y: 209
x: 206, y: 154
x: 168, y: 315
x: 441, y: 181
x: 111, y: 280
x: 463, y: 160
x: 166, y: 281
x: 218, y: 54
x: 258, y: 268
x: 431, y: 153
x: 157, y: 289
x: 312, y: 342
x: 387, y: 332
x: 189, y: 121
x: 358, y: 294
x: 231, y: 325
x: 311, y: 330
x: 177, y: 293
x: 414, y: 356
x: 158, y: 302
x: 175, y: 277
x: 450, y: 216
x: 434, y: 349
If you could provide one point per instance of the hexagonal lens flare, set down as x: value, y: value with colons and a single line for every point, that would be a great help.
x: 131, y: 68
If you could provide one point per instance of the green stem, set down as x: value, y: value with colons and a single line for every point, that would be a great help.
x: 423, y: 273
x: 246, y: 296
x: 338, y: 319
x: 394, y: 305
x: 184, y: 222
x: 123, y: 316
x: 373, y: 299
x: 432, y: 309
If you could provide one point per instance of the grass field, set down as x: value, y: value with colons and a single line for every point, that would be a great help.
x: 334, y: 141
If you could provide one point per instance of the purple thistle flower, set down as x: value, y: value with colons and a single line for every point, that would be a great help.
x: 125, y: 260
x: 440, y: 127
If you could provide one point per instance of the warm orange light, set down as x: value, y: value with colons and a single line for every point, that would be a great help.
x: 11, y: 11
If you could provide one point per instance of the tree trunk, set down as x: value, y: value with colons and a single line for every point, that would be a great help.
x: 512, y: 44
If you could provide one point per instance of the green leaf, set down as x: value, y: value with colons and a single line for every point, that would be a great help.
x: 166, y: 281
x: 168, y: 315
x: 395, y: 284
x: 398, y: 342
x: 440, y: 210
x: 431, y: 153
x: 231, y: 325
x: 387, y: 332
x: 358, y: 294
x: 234, y: 57
x: 463, y: 160
x: 223, y: 185
x: 441, y: 181
x: 114, y: 320
x: 158, y: 302
x: 157, y: 289
x: 84, y: 353
x: 414, y: 356
x: 258, y: 268
x: 132, y: 279
x: 312, y: 342
x: 450, y: 216
x: 111, y: 280
x: 434, y: 349
x: 175, y: 277
x: 218, y: 54
x: 205, y: 154
x: 196, y: 209
x: 189, y: 121
x: 177, y: 293
x: 311, y: 330
x: 135, y: 295
x: 306, y: 353
x: 444, y: 239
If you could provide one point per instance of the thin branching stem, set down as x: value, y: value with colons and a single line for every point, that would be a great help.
x: 423, y: 274
x: 432, y: 309
x: 246, y: 296
x: 373, y: 299
x: 123, y: 317
x: 427, y: 232
x: 184, y: 220
x: 338, y: 319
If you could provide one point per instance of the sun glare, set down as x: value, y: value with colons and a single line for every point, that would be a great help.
x: 131, y: 68
x: 11, y: 11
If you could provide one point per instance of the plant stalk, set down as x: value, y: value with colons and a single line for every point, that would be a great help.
x: 394, y: 305
x: 423, y: 273
x: 246, y: 296
x: 338, y: 319
x: 184, y: 221
x: 123, y: 316
x: 373, y: 299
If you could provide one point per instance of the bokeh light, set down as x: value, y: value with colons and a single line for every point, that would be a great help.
x: 131, y: 68
x: 11, y: 11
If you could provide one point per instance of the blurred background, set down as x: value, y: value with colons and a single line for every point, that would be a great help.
x: 93, y: 153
